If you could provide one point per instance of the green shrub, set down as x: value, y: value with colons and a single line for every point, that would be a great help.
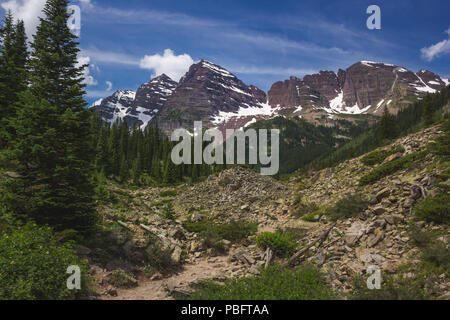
x: 435, y: 256
x: 33, y: 265
x: 378, y: 156
x: 281, y: 244
x: 303, y: 208
x: 348, y: 207
x: 161, y: 259
x: 295, y: 233
x: 375, y: 157
x: 312, y: 217
x: 436, y: 209
x: 168, y: 213
x: 441, y: 146
x: 275, y: 283
x: 213, y: 240
x: 390, y: 168
x: 168, y: 193
x: 122, y: 279
x: 438, y: 255
x: 420, y: 238
x: 397, y: 288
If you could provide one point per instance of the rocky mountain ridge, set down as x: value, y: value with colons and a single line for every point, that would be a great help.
x: 210, y: 93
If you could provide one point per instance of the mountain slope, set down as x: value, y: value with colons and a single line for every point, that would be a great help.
x: 213, y: 95
x: 208, y: 93
x: 140, y: 107
x: 364, y: 88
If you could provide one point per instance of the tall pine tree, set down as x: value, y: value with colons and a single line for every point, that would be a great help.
x: 13, y: 72
x: 52, y: 145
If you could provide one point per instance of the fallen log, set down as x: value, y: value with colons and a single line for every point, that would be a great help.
x: 268, y: 257
x: 322, y: 237
x: 123, y: 224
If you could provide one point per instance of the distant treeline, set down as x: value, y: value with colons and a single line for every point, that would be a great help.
x: 141, y: 157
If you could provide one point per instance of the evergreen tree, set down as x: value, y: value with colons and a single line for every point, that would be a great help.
x: 52, y: 146
x: 123, y: 176
x: 137, y: 169
x: 428, y: 110
x: 13, y: 72
x: 171, y: 171
x: 55, y: 73
x: 387, y: 126
x: 156, y: 167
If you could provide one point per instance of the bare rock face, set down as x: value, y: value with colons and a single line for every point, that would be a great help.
x: 207, y: 93
x: 365, y: 87
x: 324, y: 82
x: 366, y: 84
x: 137, y: 108
x: 150, y: 99
x: 295, y: 94
x: 113, y: 106
x: 431, y: 79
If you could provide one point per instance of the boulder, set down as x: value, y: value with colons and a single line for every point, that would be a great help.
x: 379, y: 210
x: 355, y: 232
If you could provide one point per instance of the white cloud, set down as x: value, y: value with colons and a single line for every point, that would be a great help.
x: 268, y: 42
x: 88, y: 79
x: 86, y: 4
x: 440, y: 48
x: 110, y: 57
x: 26, y: 10
x: 110, y: 14
x: 170, y: 64
x: 110, y: 86
x: 436, y: 50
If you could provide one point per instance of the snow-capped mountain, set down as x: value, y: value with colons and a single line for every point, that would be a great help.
x: 140, y: 107
x: 364, y: 88
x: 115, y: 106
x: 213, y: 95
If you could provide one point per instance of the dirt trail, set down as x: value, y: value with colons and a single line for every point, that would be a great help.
x: 204, y: 268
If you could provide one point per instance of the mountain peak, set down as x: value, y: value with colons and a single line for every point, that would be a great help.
x: 162, y: 77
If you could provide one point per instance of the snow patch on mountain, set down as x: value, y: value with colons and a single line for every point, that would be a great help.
x: 216, y: 69
x: 263, y: 109
x: 371, y: 63
x: 337, y: 104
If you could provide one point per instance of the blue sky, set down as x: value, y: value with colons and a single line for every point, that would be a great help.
x: 260, y: 41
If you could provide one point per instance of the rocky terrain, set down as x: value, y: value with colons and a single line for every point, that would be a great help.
x: 212, y: 94
x: 378, y: 236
